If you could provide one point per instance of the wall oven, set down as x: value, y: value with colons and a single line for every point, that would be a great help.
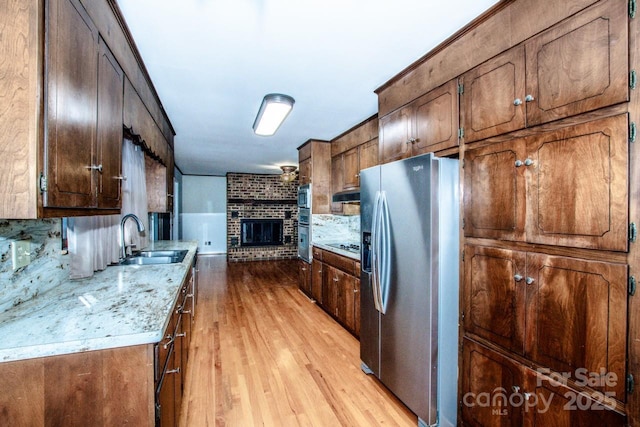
x: 304, y: 234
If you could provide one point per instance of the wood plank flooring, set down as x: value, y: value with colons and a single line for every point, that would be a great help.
x: 264, y: 355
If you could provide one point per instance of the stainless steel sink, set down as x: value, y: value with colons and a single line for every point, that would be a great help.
x: 155, y: 257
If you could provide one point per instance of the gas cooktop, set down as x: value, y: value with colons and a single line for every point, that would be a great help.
x: 349, y: 247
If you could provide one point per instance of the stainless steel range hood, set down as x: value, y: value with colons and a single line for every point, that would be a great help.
x: 346, y: 196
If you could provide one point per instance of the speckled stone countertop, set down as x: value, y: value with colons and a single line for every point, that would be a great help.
x: 345, y: 253
x: 120, y: 306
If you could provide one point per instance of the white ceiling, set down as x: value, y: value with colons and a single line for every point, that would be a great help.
x: 212, y: 61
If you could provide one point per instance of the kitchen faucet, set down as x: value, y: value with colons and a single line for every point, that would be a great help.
x: 123, y: 253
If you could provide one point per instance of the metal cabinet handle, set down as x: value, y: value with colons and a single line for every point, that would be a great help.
x: 186, y: 312
x: 528, y: 162
x: 173, y: 371
x: 171, y: 338
x: 121, y: 177
x: 527, y: 395
x: 530, y: 280
x: 517, y: 277
x: 182, y: 335
x: 515, y: 389
x: 95, y: 168
x: 519, y: 163
x: 529, y: 98
x: 517, y: 102
x: 335, y: 279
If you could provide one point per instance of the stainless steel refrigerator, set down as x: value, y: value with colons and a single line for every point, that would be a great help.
x: 409, y: 282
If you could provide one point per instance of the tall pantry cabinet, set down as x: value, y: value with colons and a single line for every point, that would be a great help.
x: 548, y: 108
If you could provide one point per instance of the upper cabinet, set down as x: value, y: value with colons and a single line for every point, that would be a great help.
x: 64, y: 68
x: 568, y: 187
x: 314, y: 157
x: 576, y: 66
x: 352, y: 151
x: 428, y: 124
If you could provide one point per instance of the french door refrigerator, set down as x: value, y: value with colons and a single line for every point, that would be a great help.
x: 409, y: 217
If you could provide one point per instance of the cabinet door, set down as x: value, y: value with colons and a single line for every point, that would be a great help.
x: 304, y: 174
x: 489, y: 382
x: 356, y: 307
x: 494, y: 295
x: 72, y: 84
x: 577, y: 316
x: 435, y: 125
x: 494, y: 196
x: 351, y: 162
x: 337, y: 180
x: 577, y: 189
x: 317, y: 283
x: 492, y: 99
x: 368, y: 155
x: 304, y: 277
x: 559, y: 405
x: 579, y: 65
x: 395, y: 135
x: 330, y: 296
x: 165, y: 396
x: 109, y: 137
x: 346, y: 299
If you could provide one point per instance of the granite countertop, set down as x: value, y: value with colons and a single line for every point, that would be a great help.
x: 117, y: 307
x: 345, y: 253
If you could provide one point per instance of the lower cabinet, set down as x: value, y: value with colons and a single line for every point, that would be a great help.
x: 304, y: 277
x: 336, y: 282
x: 172, y: 355
x: 499, y: 391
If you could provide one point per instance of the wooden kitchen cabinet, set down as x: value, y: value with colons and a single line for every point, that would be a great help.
x: 498, y: 391
x: 317, y: 277
x: 304, y: 277
x: 566, y: 187
x: 340, y: 280
x: 314, y: 162
x: 576, y: 66
x: 427, y: 124
x: 84, y: 113
x: 556, y: 311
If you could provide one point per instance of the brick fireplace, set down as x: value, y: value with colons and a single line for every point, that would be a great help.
x: 262, y: 218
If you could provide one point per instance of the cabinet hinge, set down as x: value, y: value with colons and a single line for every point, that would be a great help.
x: 632, y: 79
x: 630, y: 384
x: 632, y: 285
x: 463, y: 229
x: 460, y: 88
x: 43, y: 183
x: 632, y: 9
x: 460, y: 132
x: 633, y: 232
x: 632, y: 132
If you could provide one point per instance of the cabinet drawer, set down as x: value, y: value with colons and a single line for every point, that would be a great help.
x: 345, y: 264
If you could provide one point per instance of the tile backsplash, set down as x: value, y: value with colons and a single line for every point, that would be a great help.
x: 47, y: 269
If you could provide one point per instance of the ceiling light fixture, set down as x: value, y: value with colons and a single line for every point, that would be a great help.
x: 288, y: 174
x: 274, y: 109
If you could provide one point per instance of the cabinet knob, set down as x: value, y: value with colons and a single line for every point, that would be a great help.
x: 515, y: 389
x: 411, y: 140
x: 519, y: 163
x: 529, y: 98
x: 528, y: 162
x: 517, y: 102
x: 121, y: 177
x: 95, y: 168
x: 174, y: 371
x: 517, y: 277
x: 357, y: 175
x: 530, y: 280
x: 335, y: 279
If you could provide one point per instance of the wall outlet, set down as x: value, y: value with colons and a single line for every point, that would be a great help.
x: 20, y: 253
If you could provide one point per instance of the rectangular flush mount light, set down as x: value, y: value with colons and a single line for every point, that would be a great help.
x: 274, y: 109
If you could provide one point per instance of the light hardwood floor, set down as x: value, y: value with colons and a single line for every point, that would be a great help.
x: 264, y: 355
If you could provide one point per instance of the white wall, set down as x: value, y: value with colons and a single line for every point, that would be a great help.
x: 204, y: 212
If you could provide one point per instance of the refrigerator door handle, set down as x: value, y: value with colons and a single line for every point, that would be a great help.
x: 375, y: 252
x: 385, y: 253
